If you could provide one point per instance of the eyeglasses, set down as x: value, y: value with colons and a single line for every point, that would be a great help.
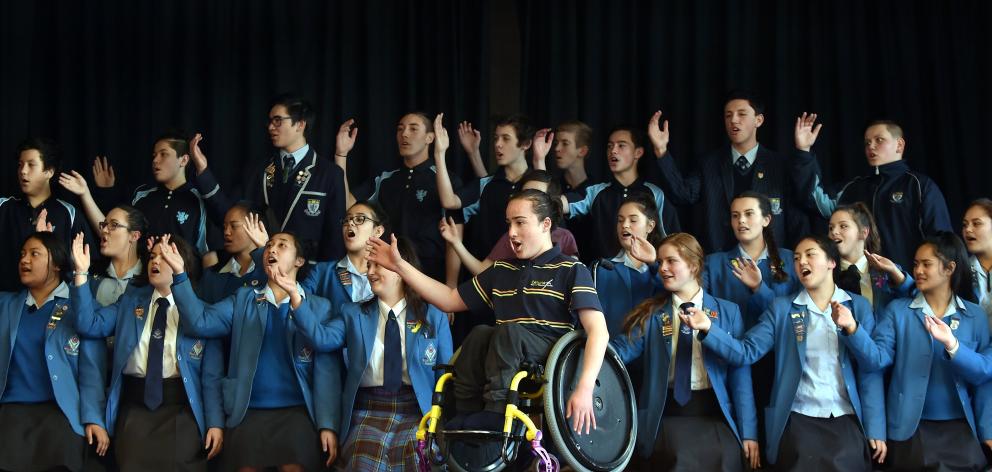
x: 112, y: 226
x: 357, y: 219
x: 277, y: 120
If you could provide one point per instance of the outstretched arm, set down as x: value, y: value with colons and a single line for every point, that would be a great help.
x: 446, y: 193
x: 343, y: 144
x: 436, y: 293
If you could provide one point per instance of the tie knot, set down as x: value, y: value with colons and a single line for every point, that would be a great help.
x: 288, y: 162
x: 686, y: 306
x: 391, y: 315
x: 163, y: 303
x: 742, y: 163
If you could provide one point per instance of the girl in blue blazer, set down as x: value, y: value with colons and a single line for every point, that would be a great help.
x: 179, y: 403
x: 382, y: 407
x: 624, y: 281
x: 976, y: 230
x: 863, y: 269
x: 242, y: 266
x: 937, y: 345
x: 281, y: 399
x: 823, y: 403
x: 51, y: 379
x: 692, y: 401
x: 121, y: 247
x: 345, y: 280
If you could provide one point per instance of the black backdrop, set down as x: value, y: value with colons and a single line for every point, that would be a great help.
x: 106, y: 77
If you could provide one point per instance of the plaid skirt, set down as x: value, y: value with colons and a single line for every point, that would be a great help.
x: 383, y: 433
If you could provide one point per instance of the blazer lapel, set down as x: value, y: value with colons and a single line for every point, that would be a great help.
x: 312, y: 157
x: 370, y: 325
x: 799, y: 323
x: 14, y: 308
x: 727, y: 177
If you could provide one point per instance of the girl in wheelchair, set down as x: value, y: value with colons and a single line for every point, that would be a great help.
x: 394, y: 341
x: 691, y: 399
x: 535, y: 299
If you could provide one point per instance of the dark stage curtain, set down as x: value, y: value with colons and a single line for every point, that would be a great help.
x: 923, y: 64
x: 108, y: 77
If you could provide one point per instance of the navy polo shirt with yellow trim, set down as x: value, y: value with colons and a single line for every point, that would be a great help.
x: 545, y: 292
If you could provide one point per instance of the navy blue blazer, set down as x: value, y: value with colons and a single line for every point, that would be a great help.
x: 356, y: 328
x: 621, y: 288
x: 901, y: 340
x: 200, y: 361
x: 76, y: 366
x: 718, y: 279
x: 243, y: 317
x: 776, y: 330
x: 731, y: 384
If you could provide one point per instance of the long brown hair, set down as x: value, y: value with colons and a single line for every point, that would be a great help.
x: 415, y: 304
x: 776, y: 265
x: 692, y: 253
x: 863, y: 219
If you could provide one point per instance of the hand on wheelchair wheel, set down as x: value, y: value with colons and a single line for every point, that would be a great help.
x: 579, y: 410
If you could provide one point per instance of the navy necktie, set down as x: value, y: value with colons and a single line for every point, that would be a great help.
x: 683, y: 360
x: 156, y: 347
x: 287, y: 167
x: 742, y: 164
x: 392, y: 357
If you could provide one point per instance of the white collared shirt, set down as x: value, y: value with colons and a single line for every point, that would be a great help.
x: 297, y: 156
x: 361, y: 290
x: 372, y: 377
x: 982, y: 279
x: 862, y: 266
x: 624, y: 258
x: 761, y: 257
x: 62, y: 290
x: 698, y: 378
x: 920, y: 302
x: 138, y: 362
x: 750, y: 155
x: 822, y: 392
x: 234, y: 267
x: 111, y: 288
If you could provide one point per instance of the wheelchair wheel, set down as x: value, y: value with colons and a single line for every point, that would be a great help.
x: 611, y: 445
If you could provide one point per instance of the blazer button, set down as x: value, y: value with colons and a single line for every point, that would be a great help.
x: 179, y: 358
x: 184, y: 379
x: 55, y: 378
x: 50, y: 357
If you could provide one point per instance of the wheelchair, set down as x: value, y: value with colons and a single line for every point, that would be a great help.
x: 540, y: 391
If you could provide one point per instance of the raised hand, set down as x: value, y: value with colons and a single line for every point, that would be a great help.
x: 882, y: 263
x: 103, y: 173
x: 747, y: 271
x: 696, y: 319
x: 470, y: 137
x: 255, y: 229
x: 386, y: 255
x: 80, y: 254
x: 199, y: 159
x: 282, y: 280
x: 642, y: 250
x: 941, y: 332
x: 659, y: 134
x: 74, y: 183
x: 42, y: 225
x: 806, y: 133
x: 450, y: 231
x: 843, y: 317
x: 543, y: 140
x: 441, y: 140
x: 345, y: 140
x: 170, y: 254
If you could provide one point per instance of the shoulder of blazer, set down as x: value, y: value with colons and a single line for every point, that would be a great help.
x: 971, y: 309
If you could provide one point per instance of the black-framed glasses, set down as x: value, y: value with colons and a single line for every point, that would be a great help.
x: 277, y: 120
x: 357, y: 219
x: 112, y: 226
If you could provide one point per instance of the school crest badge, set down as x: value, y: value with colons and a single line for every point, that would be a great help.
x: 761, y: 175
x: 430, y: 354
x: 313, y: 207
x: 181, y: 217
x: 896, y: 197
x: 955, y: 324
x: 666, y: 325
x: 799, y: 326
x: 196, y: 352
x: 139, y: 313
x: 57, y: 316
x: 270, y: 175
x: 306, y: 354
x: 776, y: 205
x: 302, y: 177
x: 421, y: 194
x: 72, y: 346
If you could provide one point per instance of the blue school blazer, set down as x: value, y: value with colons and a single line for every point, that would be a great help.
x: 200, y: 361
x: 618, y: 294
x: 327, y: 280
x: 356, y: 328
x: 243, y: 317
x: 718, y: 279
x: 76, y: 366
x: 731, y: 384
x: 902, y: 339
x: 776, y: 330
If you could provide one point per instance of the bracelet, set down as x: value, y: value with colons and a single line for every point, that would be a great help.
x: 340, y: 155
x: 75, y: 273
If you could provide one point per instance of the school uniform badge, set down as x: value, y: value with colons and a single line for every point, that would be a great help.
x: 306, y: 354
x: 761, y: 175
x: 270, y: 175
x: 72, y: 346
x: 196, y: 352
x: 798, y: 326
x: 710, y: 313
x: 776, y: 205
x: 896, y: 197
x: 181, y: 217
x: 313, y: 207
x: 430, y: 354
x: 56, y: 316
x: 955, y: 324
x: 302, y: 177
x: 666, y: 325
x: 139, y: 312
x: 421, y: 194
